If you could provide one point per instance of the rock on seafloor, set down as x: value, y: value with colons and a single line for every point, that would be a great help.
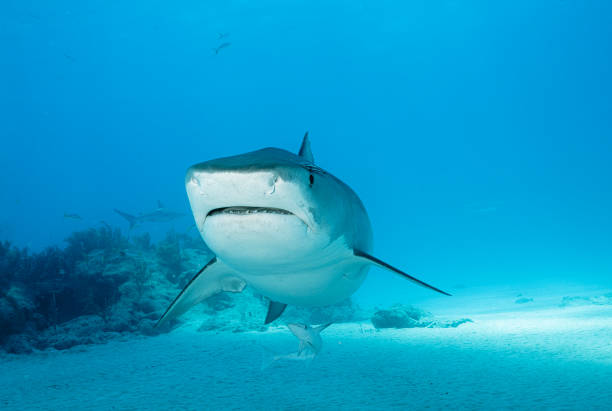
x: 406, y: 316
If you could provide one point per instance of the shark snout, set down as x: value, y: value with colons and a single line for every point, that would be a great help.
x: 211, y: 191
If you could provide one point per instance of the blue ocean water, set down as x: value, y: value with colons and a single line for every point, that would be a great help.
x: 477, y: 134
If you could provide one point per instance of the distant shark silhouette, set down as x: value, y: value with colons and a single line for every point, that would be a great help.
x: 160, y: 215
x: 280, y: 224
x: 221, y: 47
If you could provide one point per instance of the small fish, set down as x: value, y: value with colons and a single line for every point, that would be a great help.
x: 221, y: 46
x: 223, y: 36
x: 72, y: 216
x: 310, y: 337
x: 310, y: 345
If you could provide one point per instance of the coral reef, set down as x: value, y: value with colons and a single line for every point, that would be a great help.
x: 99, y: 276
x: 246, y: 311
x: 398, y: 316
x: 569, y: 301
x: 169, y: 255
x: 103, y: 286
x: 105, y: 239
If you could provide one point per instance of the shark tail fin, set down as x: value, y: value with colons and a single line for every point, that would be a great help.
x: 131, y: 219
x: 382, y: 264
x: 321, y: 327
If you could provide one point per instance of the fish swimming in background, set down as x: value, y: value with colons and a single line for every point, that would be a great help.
x: 310, y: 337
x: 221, y: 46
x: 106, y: 225
x: 283, y: 226
x: 310, y: 344
x: 72, y: 216
x: 159, y: 215
x: 223, y: 36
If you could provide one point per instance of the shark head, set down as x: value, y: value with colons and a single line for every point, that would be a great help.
x: 283, y: 226
x: 271, y: 207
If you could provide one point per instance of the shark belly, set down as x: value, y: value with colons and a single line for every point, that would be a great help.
x: 280, y: 258
x: 257, y: 241
x: 323, y: 286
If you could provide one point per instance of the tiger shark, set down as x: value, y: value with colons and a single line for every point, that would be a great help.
x: 160, y: 215
x: 281, y: 225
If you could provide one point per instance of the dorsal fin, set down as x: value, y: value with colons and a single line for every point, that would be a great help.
x: 305, y: 151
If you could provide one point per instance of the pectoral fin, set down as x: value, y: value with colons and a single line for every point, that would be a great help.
x: 322, y: 327
x: 382, y: 264
x: 213, y: 278
x: 274, y: 311
x: 301, y: 348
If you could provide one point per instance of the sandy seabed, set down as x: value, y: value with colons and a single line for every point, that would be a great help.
x: 542, y: 359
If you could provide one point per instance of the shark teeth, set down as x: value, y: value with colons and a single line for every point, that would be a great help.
x: 248, y: 210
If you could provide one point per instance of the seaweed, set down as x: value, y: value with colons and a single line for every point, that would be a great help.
x: 47, y: 288
x: 9, y: 263
x: 141, y: 278
x: 143, y: 241
x: 105, y: 238
x: 169, y: 255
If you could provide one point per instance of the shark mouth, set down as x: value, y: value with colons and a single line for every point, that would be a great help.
x: 248, y: 210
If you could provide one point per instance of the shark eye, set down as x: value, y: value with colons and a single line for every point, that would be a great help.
x: 311, y: 178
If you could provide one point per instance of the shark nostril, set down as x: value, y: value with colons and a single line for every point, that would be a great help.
x: 272, y: 184
x: 195, y: 181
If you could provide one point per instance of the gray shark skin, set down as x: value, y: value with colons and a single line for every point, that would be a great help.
x: 310, y: 337
x: 281, y: 225
x: 160, y: 215
x: 310, y: 345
